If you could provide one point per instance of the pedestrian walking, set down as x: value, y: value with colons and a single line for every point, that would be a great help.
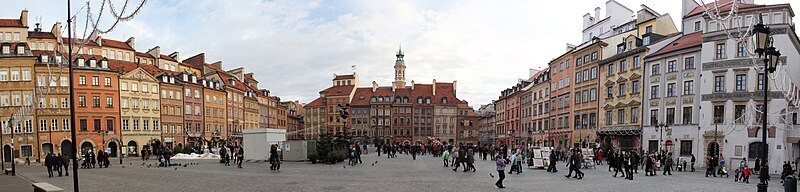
x: 667, y: 164
x: 693, y: 161
x: 746, y: 174
x: 64, y: 161
x: 470, y: 160
x: 48, y: 162
x: 551, y: 167
x: 273, y: 155
x: 501, y: 166
x: 446, y: 156
x: 240, y: 156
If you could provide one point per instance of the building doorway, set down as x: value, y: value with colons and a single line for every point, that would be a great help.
x: 66, y: 148
x: 112, y: 149
x: 133, y: 148
x: 47, y: 148
x: 7, y: 153
x: 87, y: 147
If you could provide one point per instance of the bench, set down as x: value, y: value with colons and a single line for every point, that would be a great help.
x: 46, y: 187
x: 7, y: 170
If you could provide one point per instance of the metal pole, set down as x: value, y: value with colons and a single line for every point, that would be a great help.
x: 74, y: 150
x: 762, y: 185
x: 13, y: 162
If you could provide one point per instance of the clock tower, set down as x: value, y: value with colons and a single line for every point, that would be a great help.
x: 399, y: 70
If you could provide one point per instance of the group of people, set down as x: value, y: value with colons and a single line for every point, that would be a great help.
x: 55, y: 163
x: 235, y: 152
x: 354, y: 154
x: 625, y: 162
x: 275, y: 158
x: 90, y: 160
x: 462, y: 156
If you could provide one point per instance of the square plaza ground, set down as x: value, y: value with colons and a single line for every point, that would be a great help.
x: 397, y: 174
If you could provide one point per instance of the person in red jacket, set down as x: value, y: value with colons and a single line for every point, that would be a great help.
x: 746, y: 174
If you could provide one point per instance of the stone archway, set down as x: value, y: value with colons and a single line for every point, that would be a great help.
x: 133, y: 148
x: 66, y: 148
x: 87, y: 147
x: 112, y: 146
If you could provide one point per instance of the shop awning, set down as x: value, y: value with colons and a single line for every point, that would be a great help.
x: 620, y: 130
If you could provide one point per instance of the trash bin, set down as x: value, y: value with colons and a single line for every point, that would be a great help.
x: 790, y: 184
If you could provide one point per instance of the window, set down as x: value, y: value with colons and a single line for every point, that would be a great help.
x: 741, y: 82
x: 110, y: 125
x: 635, y: 86
x: 671, y: 90
x: 670, y: 116
x: 656, y: 70
x: 636, y: 62
x: 720, y: 51
x: 646, y: 40
x: 125, y: 125
x: 610, y: 92
x: 760, y: 84
x: 146, y: 124
x: 65, y: 124
x: 671, y: 66
x: 740, y: 49
x: 82, y: 101
x: 578, y: 77
x: 719, y: 113
x: 54, y: 125
x: 42, y: 125
x: 594, y: 55
x: 64, y: 103
x: 136, y: 124
x: 14, y: 75
x: 738, y: 113
x: 654, y: 117
x: 688, y: 63
x: 688, y: 87
x: 610, y: 69
x: 4, y: 75
x: 83, y: 125
x: 687, y: 115
x: 635, y: 115
x: 697, y: 26
x: 719, y: 83
x: 95, y: 80
x: 134, y: 87
x: 609, y: 117
x: 623, y: 65
x: 109, y: 102
x: 593, y: 94
x: 648, y: 29
x: 654, y: 92
x: 620, y: 48
x: 95, y: 101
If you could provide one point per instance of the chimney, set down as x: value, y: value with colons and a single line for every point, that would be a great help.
x: 175, y: 55
x: 56, y: 30
x: 596, y: 15
x: 217, y: 64
x: 374, y: 86
x: 155, y: 52
x: 23, y: 18
x: 434, y: 86
x: 412, y: 84
x: 570, y: 47
x: 97, y: 38
x: 37, y: 29
x: 454, y: 86
x: 587, y: 20
x: 132, y: 42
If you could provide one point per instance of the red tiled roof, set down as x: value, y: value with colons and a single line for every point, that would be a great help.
x: 153, y: 70
x: 41, y: 35
x: 340, y: 77
x: 401, y: 92
x: 250, y: 76
x: 88, y: 42
x: 117, y: 44
x: 253, y: 88
x: 140, y: 54
x: 11, y: 23
x: 421, y: 90
x: 445, y: 90
x: 363, y: 92
x: 166, y: 57
x: 316, y: 103
x: 686, y: 41
x: 338, y: 90
x: 725, y: 5
x: 383, y: 91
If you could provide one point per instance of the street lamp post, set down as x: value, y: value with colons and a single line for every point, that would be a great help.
x: 770, y: 56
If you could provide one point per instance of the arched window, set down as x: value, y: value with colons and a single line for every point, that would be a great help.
x: 372, y: 99
x: 419, y: 100
x: 427, y: 100
x: 444, y: 100
x: 380, y: 99
x: 388, y: 99
x: 405, y: 99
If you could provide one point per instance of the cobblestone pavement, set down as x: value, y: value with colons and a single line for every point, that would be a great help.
x: 400, y: 174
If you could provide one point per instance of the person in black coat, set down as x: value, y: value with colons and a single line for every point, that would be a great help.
x: 48, y: 162
x: 551, y: 167
x: 65, y: 160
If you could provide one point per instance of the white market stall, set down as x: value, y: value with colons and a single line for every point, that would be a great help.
x: 256, y: 142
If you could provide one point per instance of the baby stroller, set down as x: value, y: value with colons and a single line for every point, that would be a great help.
x: 723, y: 171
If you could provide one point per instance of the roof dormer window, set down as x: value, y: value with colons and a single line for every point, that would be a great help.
x: 194, y: 79
x: 171, y: 79
x: 81, y: 62
x: 6, y: 49
x: 104, y: 64
x: 92, y: 63
x: 44, y: 58
x: 185, y: 78
x: 20, y: 49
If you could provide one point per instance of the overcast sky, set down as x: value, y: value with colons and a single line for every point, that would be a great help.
x: 294, y: 47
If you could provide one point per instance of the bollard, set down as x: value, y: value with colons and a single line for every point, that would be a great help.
x: 790, y: 184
